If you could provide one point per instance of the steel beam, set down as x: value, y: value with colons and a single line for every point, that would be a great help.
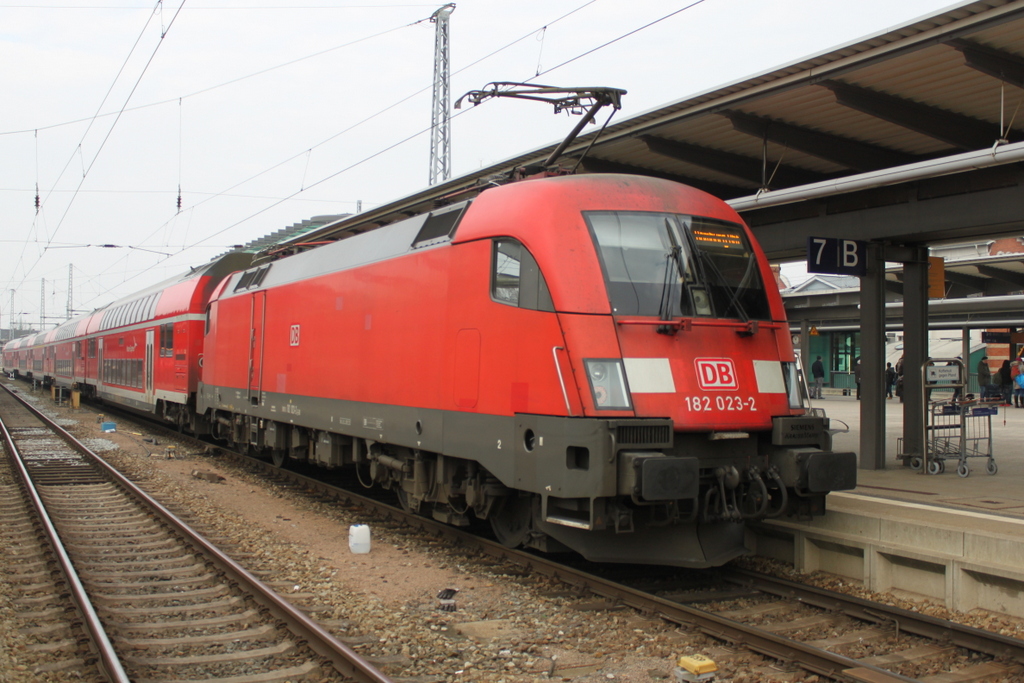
x: 1005, y: 66
x: 595, y: 165
x: 853, y: 154
x: 915, y: 350
x: 971, y: 282
x: 894, y: 287
x: 954, y: 129
x: 1015, y: 279
x: 872, y: 349
x: 968, y: 216
x: 742, y: 167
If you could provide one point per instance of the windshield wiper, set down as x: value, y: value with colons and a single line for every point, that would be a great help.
x: 675, y: 254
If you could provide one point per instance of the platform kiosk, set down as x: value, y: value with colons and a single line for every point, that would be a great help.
x: 959, y: 429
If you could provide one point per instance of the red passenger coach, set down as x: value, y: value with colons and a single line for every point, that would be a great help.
x: 142, y: 352
x: 596, y: 362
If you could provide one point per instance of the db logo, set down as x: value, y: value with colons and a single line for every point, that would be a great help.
x: 716, y: 374
x: 293, y: 336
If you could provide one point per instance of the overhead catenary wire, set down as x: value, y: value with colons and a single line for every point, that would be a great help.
x: 118, y: 117
x: 78, y: 150
x: 125, y: 109
x: 179, y: 153
x: 389, y: 147
x: 85, y: 170
x: 359, y: 123
x: 239, y: 79
x: 425, y: 130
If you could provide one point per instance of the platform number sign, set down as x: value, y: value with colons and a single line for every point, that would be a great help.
x: 836, y: 256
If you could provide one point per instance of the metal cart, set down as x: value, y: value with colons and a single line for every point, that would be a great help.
x: 957, y: 431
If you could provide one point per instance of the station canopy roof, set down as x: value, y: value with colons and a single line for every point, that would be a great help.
x: 921, y: 95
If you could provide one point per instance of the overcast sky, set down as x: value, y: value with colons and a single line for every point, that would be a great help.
x: 266, y: 113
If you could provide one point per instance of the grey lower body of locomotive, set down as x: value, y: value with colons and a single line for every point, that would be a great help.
x: 613, y: 490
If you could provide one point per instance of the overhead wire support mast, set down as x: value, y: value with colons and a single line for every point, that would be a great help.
x: 440, y: 119
x: 586, y: 101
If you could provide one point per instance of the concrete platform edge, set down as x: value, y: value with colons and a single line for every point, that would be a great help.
x: 964, y: 559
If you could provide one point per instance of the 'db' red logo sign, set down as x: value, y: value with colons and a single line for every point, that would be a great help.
x: 716, y: 374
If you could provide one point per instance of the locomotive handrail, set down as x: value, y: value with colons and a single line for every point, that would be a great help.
x: 561, y: 380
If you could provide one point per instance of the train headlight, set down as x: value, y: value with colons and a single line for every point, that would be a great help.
x: 794, y: 387
x: 608, y: 383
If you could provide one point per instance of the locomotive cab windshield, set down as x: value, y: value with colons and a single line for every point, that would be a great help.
x: 672, y: 265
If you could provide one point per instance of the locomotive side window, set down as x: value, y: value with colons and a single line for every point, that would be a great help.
x: 669, y: 265
x: 516, y: 279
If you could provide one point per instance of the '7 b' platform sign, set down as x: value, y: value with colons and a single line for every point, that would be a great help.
x: 836, y: 256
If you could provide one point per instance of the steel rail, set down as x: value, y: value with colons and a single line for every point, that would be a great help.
x: 772, y: 645
x: 978, y: 640
x: 109, y: 663
x: 341, y: 656
x: 775, y: 646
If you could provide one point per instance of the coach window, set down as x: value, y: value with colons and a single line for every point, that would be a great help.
x: 516, y: 279
x: 92, y: 348
x: 167, y: 340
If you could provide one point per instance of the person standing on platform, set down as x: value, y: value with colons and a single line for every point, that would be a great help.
x: 899, y: 378
x: 856, y: 375
x: 1016, y: 370
x: 1005, y: 382
x: 890, y: 379
x: 818, y: 373
x: 984, y: 378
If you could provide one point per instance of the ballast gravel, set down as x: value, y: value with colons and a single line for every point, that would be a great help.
x: 506, y: 627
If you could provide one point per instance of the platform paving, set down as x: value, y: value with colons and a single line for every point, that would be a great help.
x: 974, y: 492
x: 957, y: 540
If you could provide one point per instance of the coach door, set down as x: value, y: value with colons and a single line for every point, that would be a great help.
x: 149, y: 362
x: 100, y: 368
x: 259, y: 304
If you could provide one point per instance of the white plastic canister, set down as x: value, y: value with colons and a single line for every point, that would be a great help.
x: 359, y: 538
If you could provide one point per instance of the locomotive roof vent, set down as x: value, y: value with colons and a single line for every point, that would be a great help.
x: 252, y: 278
x: 439, y: 226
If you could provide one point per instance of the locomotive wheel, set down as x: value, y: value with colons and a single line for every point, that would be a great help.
x: 278, y: 457
x: 512, y: 520
x: 403, y: 500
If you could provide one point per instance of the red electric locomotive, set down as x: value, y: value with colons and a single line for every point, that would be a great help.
x: 597, y: 362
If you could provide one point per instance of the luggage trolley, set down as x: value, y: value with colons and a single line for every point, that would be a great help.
x: 959, y: 431
x: 953, y: 430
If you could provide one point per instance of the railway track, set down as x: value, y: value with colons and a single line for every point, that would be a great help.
x: 150, y: 600
x: 826, y: 633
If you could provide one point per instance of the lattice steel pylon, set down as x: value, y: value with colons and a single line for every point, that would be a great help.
x: 440, y: 119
